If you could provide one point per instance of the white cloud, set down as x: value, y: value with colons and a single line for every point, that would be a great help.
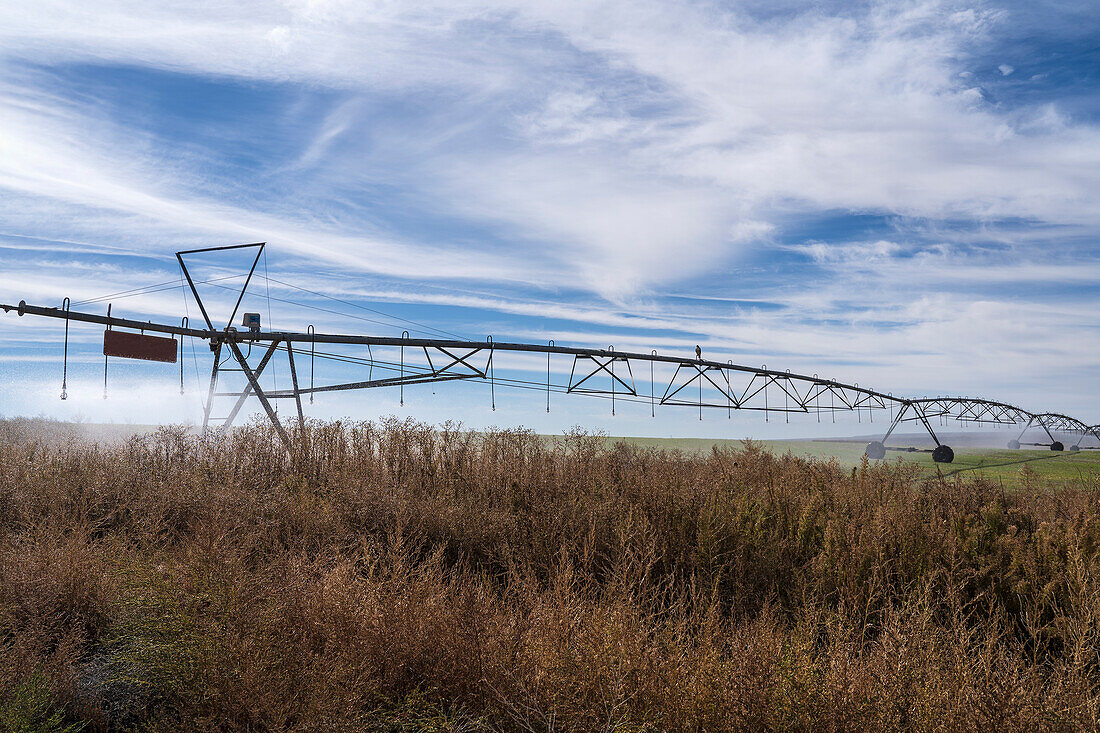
x: 680, y: 121
x: 620, y: 148
x: 67, y: 162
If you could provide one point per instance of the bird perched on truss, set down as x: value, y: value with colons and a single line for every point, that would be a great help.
x: 698, y: 352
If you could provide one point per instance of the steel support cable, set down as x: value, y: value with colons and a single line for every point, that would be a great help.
x: 433, y: 343
x: 561, y: 389
x: 557, y: 389
x: 150, y: 289
x: 267, y: 286
x: 369, y: 361
x: 423, y: 326
x: 503, y: 381
x: 699, y: 377
x: 187, y: 313
x: 766, y: 378
x: 612, y: 350
x: 652, y: 412
x: 549, y: 343
x: 326, y: 310
x: 818, y: 404
x: 729, y: 399
x: 492, y: 376
x: 184, y: 323
x: 312, y: 356
x: 508, y: 381
x: 515, y: 383
x: 404, y: 335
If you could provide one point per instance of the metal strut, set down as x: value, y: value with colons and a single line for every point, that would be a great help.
x: 216, y: 347
x: 294, y: 385
x: 1045, y: 421
x: 228, y: 421
x: 941, y: 454
x: 194, y: 290
x: 260, y: 394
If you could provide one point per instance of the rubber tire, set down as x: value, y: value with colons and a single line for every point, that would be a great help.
x: 1075, y: 447
x: 1057, y: 445
x: 943, y: 454
x: 1014, y: 445
x: 875, y: 450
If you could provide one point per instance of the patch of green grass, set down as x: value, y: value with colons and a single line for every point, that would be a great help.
x: 30, y: 707
x: 1013, y: 468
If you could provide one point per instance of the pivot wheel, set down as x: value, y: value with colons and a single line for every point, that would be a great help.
x: 1014, y: 444
x: 1075, y: 447
x: 943, y: 454
x: 1057, y: 446
x: 875, y: 450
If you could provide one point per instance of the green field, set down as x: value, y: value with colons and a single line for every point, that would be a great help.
x: 1012, y: 467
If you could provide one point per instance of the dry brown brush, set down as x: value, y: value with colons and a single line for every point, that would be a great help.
x: 399, y: 576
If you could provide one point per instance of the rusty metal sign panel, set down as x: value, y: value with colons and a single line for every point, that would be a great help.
x: 130, y: 345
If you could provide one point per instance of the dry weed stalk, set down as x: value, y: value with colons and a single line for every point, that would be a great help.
x: 398, y: 576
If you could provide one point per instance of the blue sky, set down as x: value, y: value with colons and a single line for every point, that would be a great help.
x: 905, y: 195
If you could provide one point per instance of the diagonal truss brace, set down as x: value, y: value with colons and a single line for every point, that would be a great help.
x: 918, y: 415
x: 228, y: 422
x: 1041, y: 421
x: 255, y: 384
x: 605, y: 365
x: 434, y: 373
x: 699, y: 376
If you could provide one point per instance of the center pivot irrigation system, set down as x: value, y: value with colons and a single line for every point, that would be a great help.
x: 606, y: 373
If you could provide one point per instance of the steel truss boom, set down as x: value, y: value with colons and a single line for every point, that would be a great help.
x: 695, y: 383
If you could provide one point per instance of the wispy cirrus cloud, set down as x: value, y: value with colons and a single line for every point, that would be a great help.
x: 861, y: 180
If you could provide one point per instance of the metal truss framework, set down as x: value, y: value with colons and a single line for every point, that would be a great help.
x: 698, y: 383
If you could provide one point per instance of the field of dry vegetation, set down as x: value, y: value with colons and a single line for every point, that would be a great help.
x: 399, y: 577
